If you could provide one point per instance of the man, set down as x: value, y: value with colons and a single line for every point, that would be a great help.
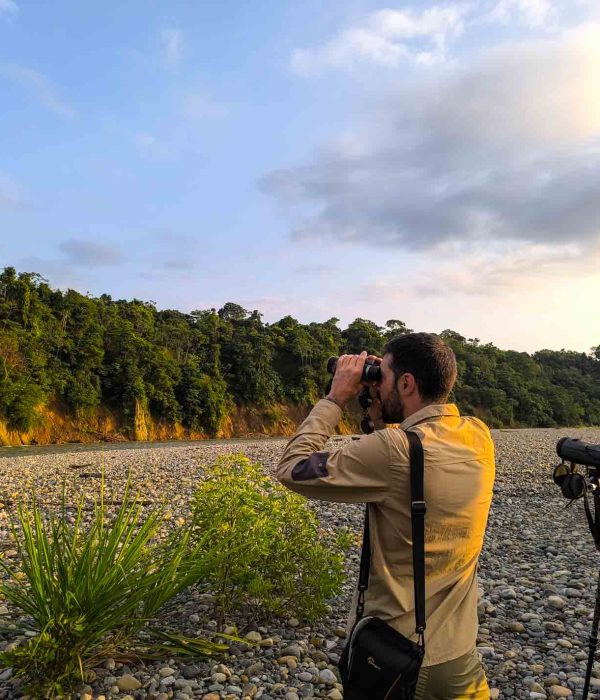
x: 418, y: 373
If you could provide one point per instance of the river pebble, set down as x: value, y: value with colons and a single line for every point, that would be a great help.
x: 537, y: 578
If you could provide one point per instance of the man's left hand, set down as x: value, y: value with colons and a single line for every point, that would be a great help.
x: 347, y: 378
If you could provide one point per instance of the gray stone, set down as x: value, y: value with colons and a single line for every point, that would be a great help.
x: 293, y: 650
x: 327, y: 676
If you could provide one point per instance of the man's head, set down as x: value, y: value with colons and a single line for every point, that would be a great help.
x: 418, y: 369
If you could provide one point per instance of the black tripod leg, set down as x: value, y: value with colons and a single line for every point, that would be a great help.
x: 593, y: 643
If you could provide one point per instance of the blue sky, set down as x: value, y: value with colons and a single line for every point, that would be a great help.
x: 433, y: 162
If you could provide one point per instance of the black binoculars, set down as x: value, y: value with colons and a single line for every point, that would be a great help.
x: 371, y: 372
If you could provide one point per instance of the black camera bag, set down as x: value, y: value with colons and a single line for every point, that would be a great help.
x: 379, y: 663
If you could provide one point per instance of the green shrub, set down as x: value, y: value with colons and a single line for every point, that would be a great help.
x: 21, y: 413
x: 90, y: 591
x: 266, y: 545
x: 204, y: 400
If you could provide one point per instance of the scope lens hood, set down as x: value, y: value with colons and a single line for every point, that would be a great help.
x: 559, y: 445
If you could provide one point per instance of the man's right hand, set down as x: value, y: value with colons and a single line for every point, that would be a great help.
x: 346, y: 381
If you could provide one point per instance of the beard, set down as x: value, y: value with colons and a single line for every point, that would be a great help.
x: 392, y: 410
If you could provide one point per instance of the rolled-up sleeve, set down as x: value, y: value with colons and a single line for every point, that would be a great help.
x: 359, y: 472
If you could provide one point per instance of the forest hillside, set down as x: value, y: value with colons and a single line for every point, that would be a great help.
x: 80, y: 368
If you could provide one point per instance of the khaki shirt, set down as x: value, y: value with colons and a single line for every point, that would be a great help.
x: 459, y: 477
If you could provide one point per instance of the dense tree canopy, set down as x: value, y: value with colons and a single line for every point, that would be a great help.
x: 85, y: 352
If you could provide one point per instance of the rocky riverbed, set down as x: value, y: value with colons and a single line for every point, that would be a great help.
x: 538, y: 576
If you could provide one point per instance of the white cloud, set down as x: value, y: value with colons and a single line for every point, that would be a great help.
x: 38, y: 85
x: 543, y: 92
x: 390, y: 37
x: 528, y: 287
x: 435, y: 24
x: 9, y: 7
x: 387, y: 38
x: 506, y: 149
x: 505, y: 270
x: 172, y: 46
x: 533, y: 13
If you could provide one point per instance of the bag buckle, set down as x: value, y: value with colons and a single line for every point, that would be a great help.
x: 360, y: 608
x: 418, y: 508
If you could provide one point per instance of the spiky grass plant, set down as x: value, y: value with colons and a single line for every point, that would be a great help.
x: 89, y: 590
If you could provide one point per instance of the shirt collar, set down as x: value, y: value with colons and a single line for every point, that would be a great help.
x: 431, y: 411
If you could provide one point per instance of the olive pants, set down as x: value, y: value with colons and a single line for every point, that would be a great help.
x: 462, y: 678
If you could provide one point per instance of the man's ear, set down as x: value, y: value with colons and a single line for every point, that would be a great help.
x: 407, y: 382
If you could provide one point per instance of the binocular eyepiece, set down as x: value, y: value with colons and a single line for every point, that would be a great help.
x: 371, y: 372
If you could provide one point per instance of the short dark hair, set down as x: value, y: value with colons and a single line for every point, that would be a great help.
x: 428, y: 359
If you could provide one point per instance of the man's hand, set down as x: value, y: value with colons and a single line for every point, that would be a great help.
x: 347, y: 378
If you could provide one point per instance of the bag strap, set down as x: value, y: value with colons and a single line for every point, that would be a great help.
x: 418, y: 509
x: 365, y: 566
